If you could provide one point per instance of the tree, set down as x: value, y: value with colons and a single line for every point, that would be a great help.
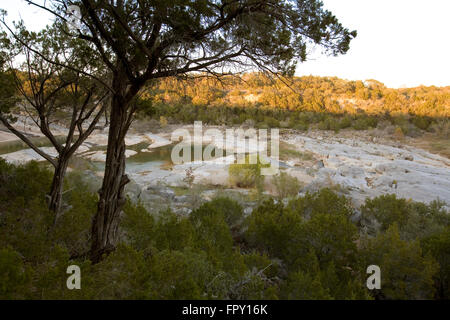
x: 439, y: 246
x: 48, y: 89
x: 144, y: 40
x: 406, y: 272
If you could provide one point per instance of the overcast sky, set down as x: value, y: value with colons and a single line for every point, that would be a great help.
x: 402, y: 43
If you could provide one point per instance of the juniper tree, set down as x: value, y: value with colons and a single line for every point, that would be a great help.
x: 47, y: 92
x: 143, y: 40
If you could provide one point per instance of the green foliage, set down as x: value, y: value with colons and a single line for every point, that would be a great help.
x: 271, y: 226
x: 8, y: 89
x: 319, y: 202
x: 364, y: 123
x: 331, y: 237
x: 212, y: 233
x: 286, y: 185
x: 305, y: 286
x: 386, y: 209
x: 330, y: 123
x: 247, y: 174
x: 72, y: 227
x: 306, y: 224
x: 308, y: 249
x: 438, y: 245
x: 316, y: 245
x: 415, y: 220
x: 406, y: 272
x: 173, y: 232
x: 139, y: 226
x: 16, y: 277
x: 15, y: 181
x: 124, y: 274
x: 422, y: 123
x: 231, y: 210
x: 180, y: 274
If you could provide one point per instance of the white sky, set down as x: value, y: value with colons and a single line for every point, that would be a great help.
x: 402, y: 43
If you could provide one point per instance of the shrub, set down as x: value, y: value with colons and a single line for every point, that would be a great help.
x: 173, y: 232
x: 323, y: 201
x: 230, y: 209
x: 305, y: 286
x: 16, y: 277
x: 364, y: 123
x: 300, y: 126
x: 346, y: 122
x: 246, y: 175
x: 398, y: 133
x: 163, y: 121
x: 15, y: 181
x: 330, y: 123
x: 416, y: 220
x: 180, y: 275
x: 271, y: 227
x: 421, y: 122
x: 139, y: 226
x: 438, y: 245
x: 385, y: 209
x: 406, y: 272
x: 212, y: 234
x: 286, y: 185
x: 331, y: 237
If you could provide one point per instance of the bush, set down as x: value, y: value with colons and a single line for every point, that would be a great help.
x: 230, y: 209
x: 330, y: 123
x: 212, y: 234
x: 305, y: 286
x: 406, y: 272
x: 271, y: 227
x: 323, y: 201
x: 416, y: 220
x: 286, y: 185
x: 139, y: 226
x: 346, y: 122
x: 180, y: 275
x: 15, y: 181
x: 364, y: 123
x: 438, y: 246
x: 386, y: 210
x: 16, y: 277
x: 300, y: 126
x: 307, y: 249
x: 398, y: 133
x: 421, y: 122
x: 246, y: 175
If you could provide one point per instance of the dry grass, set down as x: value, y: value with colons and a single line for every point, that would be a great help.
x: 433, y: 144
x: 289, y: 151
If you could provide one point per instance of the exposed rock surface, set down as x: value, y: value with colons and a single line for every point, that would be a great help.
x: 361, y: 167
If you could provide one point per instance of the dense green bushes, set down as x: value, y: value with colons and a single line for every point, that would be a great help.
x: 315, y: 247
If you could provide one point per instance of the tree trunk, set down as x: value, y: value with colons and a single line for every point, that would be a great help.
x: 106, y: 221
x: 57, y: 186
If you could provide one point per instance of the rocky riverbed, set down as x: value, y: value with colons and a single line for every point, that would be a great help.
x: 359, y: 165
